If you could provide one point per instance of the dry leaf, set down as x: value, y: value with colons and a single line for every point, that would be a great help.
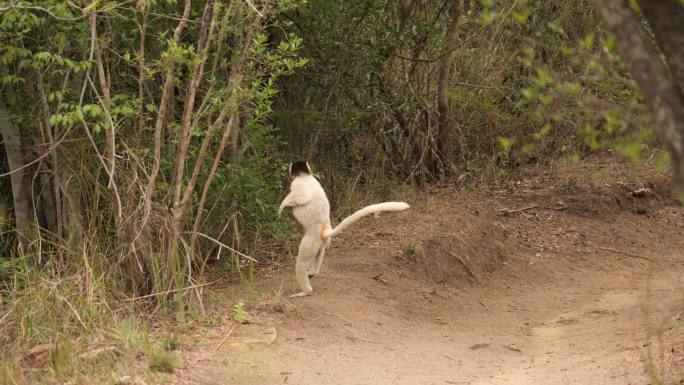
x: 37, y: 356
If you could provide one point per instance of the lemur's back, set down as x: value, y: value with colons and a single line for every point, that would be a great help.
x: 317, y: 210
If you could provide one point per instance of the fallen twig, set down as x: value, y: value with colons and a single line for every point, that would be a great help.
x: 275, y: 335
x: 467, y: 269
x: 226, y: 337
x: 90, y: 354
x: 379, y: 279
x: 508, y: 212
x: 172, y: 291
x: 625, y: 253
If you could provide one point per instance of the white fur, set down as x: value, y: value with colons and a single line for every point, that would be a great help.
x: 311, y: 208
x: 372, y: 209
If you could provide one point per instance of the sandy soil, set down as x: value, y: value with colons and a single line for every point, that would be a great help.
x: 562, y: 277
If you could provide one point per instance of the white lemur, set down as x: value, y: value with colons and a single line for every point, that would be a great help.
x: 311, y: 208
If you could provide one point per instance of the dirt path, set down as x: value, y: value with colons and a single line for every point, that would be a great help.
x: 574, y: 290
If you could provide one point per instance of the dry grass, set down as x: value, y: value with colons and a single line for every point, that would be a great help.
x: 68, y: 318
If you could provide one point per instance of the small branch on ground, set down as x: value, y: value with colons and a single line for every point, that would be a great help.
x: 226, y: 337
x: 171, y: 291
x: 630, y: 254
x: 379, y: 279
x: 467, y: 269
x: 508, y: 212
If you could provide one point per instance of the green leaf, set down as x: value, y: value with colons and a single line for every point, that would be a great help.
x: 662, y: 162
x: 521, y: 17
x: 544, y: 99
x: 54, y: 119
x: 630, y: 150
x: 543, y: 77
x: 573, y: 88
x: 588, y: 41
x: 542, y: 132
x: 505, y: 143
x: 590, y: 136
x: 556, y: 27
x: 527, y: 93
x: 91, y: 7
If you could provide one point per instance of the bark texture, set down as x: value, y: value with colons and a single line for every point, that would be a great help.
x: 662, y: 95
x: 446, y: 134
x: 21, y: 182
x: 666, y: 18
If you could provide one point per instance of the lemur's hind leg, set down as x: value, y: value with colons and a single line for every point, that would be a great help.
x: 316, y: 265
x: 308, y: 250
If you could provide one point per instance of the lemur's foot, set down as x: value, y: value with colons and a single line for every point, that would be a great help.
x: 301, y: 294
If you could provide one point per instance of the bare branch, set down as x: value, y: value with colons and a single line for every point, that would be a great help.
x: 191, y: 93
x: 41, y: 9
x: 254, y: 8
x: 221, y: 244
x: 110, y: 151
x: 164, y: 102
x: 38, y: 159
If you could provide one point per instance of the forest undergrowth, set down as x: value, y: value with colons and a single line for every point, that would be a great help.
x: 145, y: 145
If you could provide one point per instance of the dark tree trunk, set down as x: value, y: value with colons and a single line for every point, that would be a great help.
x: 21, y: 182
x: 665, y: 18
x: 662, y: 96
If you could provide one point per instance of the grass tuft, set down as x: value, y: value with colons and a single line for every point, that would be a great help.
x: 162, y: 361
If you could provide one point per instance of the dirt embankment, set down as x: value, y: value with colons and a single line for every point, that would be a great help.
x: 563, y: 277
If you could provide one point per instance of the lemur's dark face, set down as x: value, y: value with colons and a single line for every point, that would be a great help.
x: 299, y: 167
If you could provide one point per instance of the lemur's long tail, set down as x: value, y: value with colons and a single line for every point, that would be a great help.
x: 376, y: 208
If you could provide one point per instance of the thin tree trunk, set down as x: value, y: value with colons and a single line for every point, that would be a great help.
x: 71, y: 205
x: 665, y: 18
x: 234, y: 82
x: 55, y: 185
x: 164, y: 107
x: 110, y: 147
x: 232, y: 122
x: 445, y: 135
x: 45, y: 206
x: 160, y: 123
x: 21, y: 191
x: 141, y: 74
x: 110, y: 134
x: 189, y: 108
x: 177, y: 209
x: 643, y: 62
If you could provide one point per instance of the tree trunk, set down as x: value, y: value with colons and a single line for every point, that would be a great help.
x: 21, y: 183
x: 445, y: 134
x: 665, y: 18
x: 50, y: 189
x: 643, y: 62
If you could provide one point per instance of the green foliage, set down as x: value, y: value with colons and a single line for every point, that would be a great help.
x: 544, y: 75
x: 162, y: 361
x: 239, y: 313
x: 350, y: 85
x: 51, y: 86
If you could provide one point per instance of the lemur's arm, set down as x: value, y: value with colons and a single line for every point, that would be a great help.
x: 295, y: 198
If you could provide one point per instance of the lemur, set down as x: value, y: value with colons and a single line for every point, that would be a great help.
x: 311, y: 208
